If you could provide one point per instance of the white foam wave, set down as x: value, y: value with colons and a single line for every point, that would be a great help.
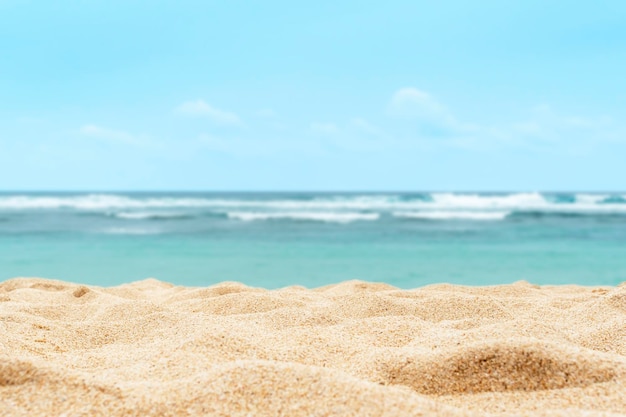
x: 478, y: 201
x: 438, y: 202
x: 130, y: 231
x: 147, y: 215
x: 96, y: 202
x: 328, y: 217
x: 591, y: 198
x: 453, y: 215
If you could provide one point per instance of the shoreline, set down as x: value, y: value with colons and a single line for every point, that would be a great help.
x: 352, y: 348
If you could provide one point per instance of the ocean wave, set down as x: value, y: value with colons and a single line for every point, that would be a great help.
x: 567, y: 214
x: 481, y: 201
x: 452, y: 215
x: 141, y: 215
x: 614, y: 199
x: 561, y: 198
x: 328, y: 217
x: 129, y: 231
x: 97, y: 202
x: 530, y: 202
x: 416, y: 197
x: 591, y: 199
x: 297, y: 203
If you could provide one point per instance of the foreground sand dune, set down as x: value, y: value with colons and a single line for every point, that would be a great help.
x: 355, y: 348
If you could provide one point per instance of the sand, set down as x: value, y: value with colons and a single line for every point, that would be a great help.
x: 355, y: 348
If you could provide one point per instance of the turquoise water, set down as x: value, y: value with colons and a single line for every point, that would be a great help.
x: 275, y: 240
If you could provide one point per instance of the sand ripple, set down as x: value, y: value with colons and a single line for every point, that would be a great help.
x: 354, y: 348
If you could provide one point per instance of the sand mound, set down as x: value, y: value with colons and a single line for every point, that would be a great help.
x: 16, y: 373
x: 501, y: 367
x: 617, y: 298
x: 355, y: 348
x: 275, y: 389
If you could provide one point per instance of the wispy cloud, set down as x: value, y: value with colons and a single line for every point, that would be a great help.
x: 414, y: 121
x: 324, y: 128
x: 421, y: 110
x: 200, y: 108
x: 244, y: 147
x: 417, y: 116
x: 545, y: 128
x: 29, y: 120
x: 362, y: 126
x: 267, y: 113
x: 412, y: 103
x: 357, y: 134
x: 270, y: 118
x: 111, y: 135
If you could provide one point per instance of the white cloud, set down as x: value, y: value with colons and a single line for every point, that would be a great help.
x: 325, y: 128
x: 546, y: 129
x: 363, y: 126
x: 424, y: 115
x: 29, y: 120
x: 200, y: 108
x: 114, y: 135
x: 412, y: 103
x: 357, y: 134
x: 251, y: 148
x: 271, y: 119
x: 267, y: 113
x: 419, y: 122
x: 543, y: 130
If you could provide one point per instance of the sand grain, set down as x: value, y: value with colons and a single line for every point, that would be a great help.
x: 354, y: 348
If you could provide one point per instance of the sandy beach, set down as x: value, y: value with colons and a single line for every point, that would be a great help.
x: 355, y: 348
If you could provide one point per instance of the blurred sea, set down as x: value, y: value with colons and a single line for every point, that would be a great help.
x: 313, y: 239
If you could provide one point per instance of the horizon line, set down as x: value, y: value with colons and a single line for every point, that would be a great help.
x: 286, y: 191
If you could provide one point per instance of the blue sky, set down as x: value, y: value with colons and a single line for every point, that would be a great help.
x: 343, y: 95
